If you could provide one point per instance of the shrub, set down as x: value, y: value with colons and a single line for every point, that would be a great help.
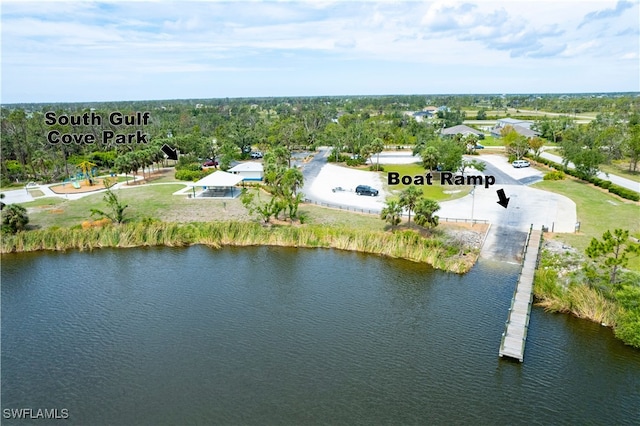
x: 340, y: 159
x: 555, y: 175
x: 184, y: 160
x: 191, y: 175
x: 624, y: 192
x: 376, y: 168
x: 628, y: 327
x: 193, y: 167
x: 355, y: 161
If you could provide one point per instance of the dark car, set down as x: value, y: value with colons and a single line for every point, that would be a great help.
x: 366, y: 190
x: 210, y: 163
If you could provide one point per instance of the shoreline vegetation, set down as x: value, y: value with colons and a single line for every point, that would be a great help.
x: 402, y: 244
x: 557, y: 290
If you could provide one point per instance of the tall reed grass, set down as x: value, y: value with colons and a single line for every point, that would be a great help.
x: 576, y: 299
x: 405, y: 245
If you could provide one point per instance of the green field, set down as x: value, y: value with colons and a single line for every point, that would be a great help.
x: 491, y: 141
x: 434, y: 192
x: 145, y: 201
x: 598, y: 211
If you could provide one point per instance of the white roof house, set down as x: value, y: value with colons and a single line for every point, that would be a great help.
x: 249, y: 170
x: 217, y: 184
x: 522, y: 127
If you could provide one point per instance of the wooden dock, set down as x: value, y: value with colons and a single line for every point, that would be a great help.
x: 515, y: 333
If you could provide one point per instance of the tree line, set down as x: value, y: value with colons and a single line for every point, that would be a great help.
x: 358, y: 127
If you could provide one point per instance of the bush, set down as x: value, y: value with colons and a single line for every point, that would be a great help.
x: 628, y: 328
x: 359, y: 161
x: 624, y: 192
x: 193, y: 167
x: 376, y: 168
x: 341, y: 157
x: 186, y: 159
x: 191, y: 175
x: 555, y: 175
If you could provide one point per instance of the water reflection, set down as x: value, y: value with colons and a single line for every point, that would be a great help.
x: 270, y: 335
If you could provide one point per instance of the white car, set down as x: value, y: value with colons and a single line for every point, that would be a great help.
x: 520, y: 163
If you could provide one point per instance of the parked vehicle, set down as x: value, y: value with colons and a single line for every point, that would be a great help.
x: 210, y: 163
x: 256, y: 155
x: 366, y: 190
x: 338, y: 189
x: 479, y: 146
x: 520, y: 163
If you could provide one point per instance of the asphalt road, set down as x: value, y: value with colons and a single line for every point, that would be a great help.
x: 311, y: 169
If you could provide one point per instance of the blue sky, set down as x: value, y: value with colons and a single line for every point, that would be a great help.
x: 110, y: 51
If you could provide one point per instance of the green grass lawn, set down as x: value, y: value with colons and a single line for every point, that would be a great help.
x: 491, y: 141
x: 434, y: 192
x: 336, y: 217
x: 598, y: 211
x: 145, y: 201
x: 35, y: 193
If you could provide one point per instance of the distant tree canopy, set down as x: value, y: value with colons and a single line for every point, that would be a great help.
x: 228, y: 129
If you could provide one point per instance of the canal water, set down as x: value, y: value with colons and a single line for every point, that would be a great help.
x: 283, y: 336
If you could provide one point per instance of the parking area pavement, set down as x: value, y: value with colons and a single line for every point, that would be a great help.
x: 394, y: 157
x: 526, y: 206
x: 502, y: 163
x: 16, y: 196
x: 332, y: 176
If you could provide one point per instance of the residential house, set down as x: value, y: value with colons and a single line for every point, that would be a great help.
x: 250, y: 170
x: 522, y: 127
x: 460, y: 129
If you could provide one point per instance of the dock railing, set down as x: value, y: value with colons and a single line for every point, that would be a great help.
x: 517, y: 329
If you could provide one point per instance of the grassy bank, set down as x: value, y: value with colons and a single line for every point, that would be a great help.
x: 597, y: 211
x: 405, y: 245
x: 557, y: 289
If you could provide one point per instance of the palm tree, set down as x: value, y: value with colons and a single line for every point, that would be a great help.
x: 392, y: 213
x: 425, y: 210
x: 409, y: 198
x: 14, y: 218
x: 430, y: 157
x: 377, y: 146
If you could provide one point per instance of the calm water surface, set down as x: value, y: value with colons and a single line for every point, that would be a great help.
x: 283, y: 336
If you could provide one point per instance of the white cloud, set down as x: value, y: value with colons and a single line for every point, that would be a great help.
x: 169, y: 38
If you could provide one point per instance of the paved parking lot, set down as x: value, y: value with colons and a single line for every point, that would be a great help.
x: 332, y: 176
x: 526, y: 206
